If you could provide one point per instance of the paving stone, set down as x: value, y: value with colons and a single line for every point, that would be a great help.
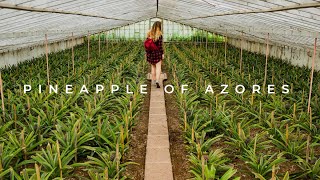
x: 158, y: 161
x: 157, y: 110
x: 157, y: 119
x: 156, y: 98
x: 162, y: 76
x: 157, y: 129
x: 159, y: 104
x: 157, y: 94
x: 159, y: 141
x: 158, y: 171
x: 158, y: 155
x: 157, y: 90
x: 160, y: 101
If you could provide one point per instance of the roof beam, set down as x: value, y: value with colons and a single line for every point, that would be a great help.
x: 286, y: 8
x: 157, y: 8
x: 33, y: 9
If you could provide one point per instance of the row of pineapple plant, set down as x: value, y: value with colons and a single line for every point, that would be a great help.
x: 196, y: 123
x: 258, y: 134
x: 59, y: 135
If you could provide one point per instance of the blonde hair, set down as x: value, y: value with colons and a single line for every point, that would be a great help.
x: 155, y: 31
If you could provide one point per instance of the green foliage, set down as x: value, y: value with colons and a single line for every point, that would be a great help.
x: 309, y: 170
x: 212, y: 168
x: 210, y: 173
x: 252, y: 125
x: 49, y: 160
x: 83, y: 124
x: 261, y: 165
x: 293, y: 148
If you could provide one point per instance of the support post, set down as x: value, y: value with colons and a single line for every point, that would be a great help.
x: 266, y: 65
x: 162, y: 29
x: 225, y: 50
x: 88, y: 47
x: 198, y: 36
x: 241, y: 53
x: 134, y: 31
x: 47, y: 58
x: 168, y: 31
x: 312, y: 70
x: 201, y: 38
x: 72, y: 51
x: 37, y: 171
x: 99, y: 44
x: 2, y: 96
x: 144, y: 29
x: 129, y: 32
x: 194, y: 37
x: 118, y: 34
x: 183, y: 33
x: 106, y: 40
x: 214, y: 43
x: 207, y: 41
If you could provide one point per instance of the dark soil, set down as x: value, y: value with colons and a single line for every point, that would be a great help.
x: 138, y: 142
x: 79, y: 173
x: 178, y: 152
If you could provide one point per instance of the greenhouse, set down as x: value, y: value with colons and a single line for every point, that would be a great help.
x: 160, y: 89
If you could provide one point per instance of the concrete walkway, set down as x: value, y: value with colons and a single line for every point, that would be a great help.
x: 158, y: 162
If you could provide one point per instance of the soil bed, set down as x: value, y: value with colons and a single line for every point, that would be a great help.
x: 178, y: 152
x: 138, y: 142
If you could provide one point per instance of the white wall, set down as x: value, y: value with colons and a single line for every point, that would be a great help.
x: 18, y: 56
x: 296, y: 56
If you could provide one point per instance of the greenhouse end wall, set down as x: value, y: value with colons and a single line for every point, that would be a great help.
x: 17, y: 56
x: 296, y: 56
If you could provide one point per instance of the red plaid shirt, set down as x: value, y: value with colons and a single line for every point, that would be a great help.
x: 154, y: 57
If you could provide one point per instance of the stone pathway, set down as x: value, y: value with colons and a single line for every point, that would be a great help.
x: 158, y: 162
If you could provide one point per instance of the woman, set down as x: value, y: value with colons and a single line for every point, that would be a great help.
x: 155, y: 57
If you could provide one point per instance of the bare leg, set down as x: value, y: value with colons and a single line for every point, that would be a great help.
x: 158, y: 71
x: 153, y: 72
